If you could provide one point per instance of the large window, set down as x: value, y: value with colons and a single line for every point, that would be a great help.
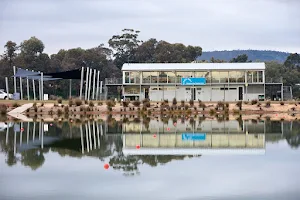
x: 132, y: 77
x: 131, y: 90
x: 163, y: 78
x: 236, y: 76
x: 146, y: 77
x: 260, y: 76
x: 171, y: 77
x: 255, y: 76
x: 219, y: 77
x: 249, y: 77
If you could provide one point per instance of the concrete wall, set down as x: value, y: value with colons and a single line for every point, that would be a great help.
x: 253, y: 91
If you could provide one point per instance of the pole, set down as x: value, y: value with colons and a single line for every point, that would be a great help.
x: 40, y: 90
x: 90, y: 81
x: 94, y: 82
x: 81, y: 134
x: 33, y: 131
x: 21, y: 88
x: 28, y: 123
x: 42, y: 131
x: 6, y: 83
x: 33, y: 89
x: 70, y: 91
x: 15, y: 80
x: 27, y: 83
x: 81, y: 82
x: 42, y: 85
x: 94, y: 134
x: 86, y: 83
x: 87, y: 138
x: 6, y: 138
x: 97, y: 90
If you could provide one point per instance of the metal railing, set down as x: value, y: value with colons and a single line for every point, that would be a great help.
x: 113, y: 81
x: 274, y: 80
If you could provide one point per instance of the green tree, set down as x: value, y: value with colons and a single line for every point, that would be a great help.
x: 10, y: 52
x: 292, y: 61
x: 124, y: 45
x: 31, y: 48
x: 240, y: 59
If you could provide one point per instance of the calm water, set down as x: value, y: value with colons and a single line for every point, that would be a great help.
x: 185, y: 159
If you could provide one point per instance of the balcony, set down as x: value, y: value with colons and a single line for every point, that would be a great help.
x: 113, y: 81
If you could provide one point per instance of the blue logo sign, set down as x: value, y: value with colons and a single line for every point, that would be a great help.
x: 193, y: 81
x: 193, y: 136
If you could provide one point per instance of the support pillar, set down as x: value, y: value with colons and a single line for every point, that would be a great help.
x: 21, y: 88
x: 94, y: 82
x: 81, y: 82
x: 42, y: 85
x: 33, y: 89
x: 90, y: 82
x: 87, y: 138
x: 86, y: 83
x: 97, y: 83
x: 15, y: 80
x: 6, y: 83
x: 81, y: 134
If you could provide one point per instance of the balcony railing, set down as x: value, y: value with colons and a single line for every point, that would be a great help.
x: 113, y: 81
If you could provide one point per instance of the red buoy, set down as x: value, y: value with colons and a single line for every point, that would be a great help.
x: 22, y: 129
x: 138, y: 146
x: 168, y: 128
x: 106, y: 166
x: 51, y: 124
x: 154, y: 135
x: 175, y: 123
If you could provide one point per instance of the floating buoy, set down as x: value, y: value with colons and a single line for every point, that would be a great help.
x: 22, y: 129
x: 106, y: 166
x: 175, y: 123
x: 138, y: 146
x: 51, y: 124
x: 154, y: 135
x: 168, y: 128
x: 71, y: 120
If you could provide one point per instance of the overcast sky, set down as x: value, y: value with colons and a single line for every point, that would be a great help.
x: 211, y: 24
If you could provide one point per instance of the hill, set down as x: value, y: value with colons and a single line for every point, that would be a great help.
x: 254, y: 55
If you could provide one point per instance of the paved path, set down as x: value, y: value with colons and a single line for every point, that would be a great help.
x: 17, y: 112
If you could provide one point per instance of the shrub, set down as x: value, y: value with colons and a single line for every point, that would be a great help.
x: 268, y: 104
x: 227, y: 104
x: 125, y: 103
x: 186, y: 107
x: 136, y: 103
x: 91, y: 104
x: 212, y: 111
x: 78, y: 102
x: 145, y: 100
x: 259, y: 104
x: 15, y: 104
x: 174, y: 102
x: 147, y: 104
x: 293, y: 108
x: 71, y: 102
x: 246, y: 102
x: 239, y: 104
x: 66, y: 109
x: 191, y: 103
x: 82, y: 108
x: 202, y: 105
x: 220, y: 104
x: 86, y: 102
x: 235, y: 111
x: 254, y: 101
x: 110, y: 103
x: 59, y: 112
x: 281, y: 103
x: 59, y: 100
x: 182, y: 103
x: 42, y: 104
x: 3, y: 109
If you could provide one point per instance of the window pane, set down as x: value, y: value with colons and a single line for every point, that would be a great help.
x: 255, y: 77
x: 249, y: 77
x: 260, y: 76
x: 132, y: 90
x: 162, y: 77
x: 224, y: 77
x: 183, y: 75
x: 171, y: 77
x: 215, y: 77
x: 126, y: 77
x: 236, y: 77
x: 146, y: 77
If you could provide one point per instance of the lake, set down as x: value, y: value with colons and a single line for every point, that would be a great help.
x: 158, y: 158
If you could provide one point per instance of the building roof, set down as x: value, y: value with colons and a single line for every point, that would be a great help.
x: 191, y: 66
x: 194, y: 151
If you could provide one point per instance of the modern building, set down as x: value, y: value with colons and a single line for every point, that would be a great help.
x: 192, y: 81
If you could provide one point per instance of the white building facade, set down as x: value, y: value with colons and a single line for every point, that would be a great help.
x: 194, y: 81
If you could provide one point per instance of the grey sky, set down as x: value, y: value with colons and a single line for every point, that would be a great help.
x: 211, y: 24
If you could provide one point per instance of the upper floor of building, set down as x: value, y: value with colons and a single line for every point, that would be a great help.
x: 176, y: 73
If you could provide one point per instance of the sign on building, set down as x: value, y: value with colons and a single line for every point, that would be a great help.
x: 193, y: 136
x: 193, y: 81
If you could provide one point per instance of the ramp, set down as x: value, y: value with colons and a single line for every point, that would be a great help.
x: 17, y: 112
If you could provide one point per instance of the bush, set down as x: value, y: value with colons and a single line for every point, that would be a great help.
x: 66, y: 109
x: 125, y: 103
x: 82, y: 108
x: 86, y: 102
x: 182, y: 103
x: 110, y: 103
x: 191, y: 103
x: 78, y: 102
x: 282, y: 103
x: 227, y: 105
x: 145, y: 100
x: 239, y: 104
x: 220, y: 104
x: 147, y: 104
x: 91, y: 104
x: 293, y: 108
x: 136, y: 103
x: 254, y: 101
x: 15, y: 104
x: 202, y: 105
x: 174, y: 102
x: 268, y: 104
x: 59, y: 100
x: 212, y: 111
x: 71, y: 102
x: 246, y: 102
x: 186, y: 107
x: 109, y: 108
x: 59, y: 112
x: 3, y: 109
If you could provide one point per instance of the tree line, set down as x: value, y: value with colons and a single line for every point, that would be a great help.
x: 122, y: 48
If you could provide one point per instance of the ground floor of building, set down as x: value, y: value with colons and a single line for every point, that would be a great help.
x: 203, y: 93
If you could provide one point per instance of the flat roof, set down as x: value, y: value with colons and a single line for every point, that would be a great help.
x: 194, y: 151
x: 191, y: 66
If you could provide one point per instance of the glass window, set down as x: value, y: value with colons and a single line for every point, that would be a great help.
x: 163, y: 78
x: 154, y: 78
x: 260, y: 76
x: 224, y: 77
x: 132, y: 90
x: 249, y: 77
x: 236, y: 77
x: 126, y: 77
x: 171, y: 77
x: 255, y: 76
x: 215, y: 77
x: 184, y: 75
x: 146, y: 77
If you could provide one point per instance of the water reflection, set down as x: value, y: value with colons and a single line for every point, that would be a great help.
x: 128, y: 144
